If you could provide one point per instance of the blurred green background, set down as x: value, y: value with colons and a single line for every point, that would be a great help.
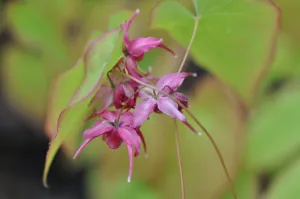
x: 247, y: 94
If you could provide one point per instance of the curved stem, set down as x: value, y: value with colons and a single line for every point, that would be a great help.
x: 179, y: 160
x: 190, y: 44
x: 217, y: 151
x: 216, y: 148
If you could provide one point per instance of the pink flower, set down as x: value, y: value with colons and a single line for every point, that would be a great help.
x: 159, y: 102
x: 135, y: 49
x: 116, y: 128
x: 106, y: 94
x: 123, y: 94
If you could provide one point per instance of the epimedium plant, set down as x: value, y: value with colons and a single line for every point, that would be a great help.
x: 127, y: 84
x: 109, y: 72
x: 121, y: 125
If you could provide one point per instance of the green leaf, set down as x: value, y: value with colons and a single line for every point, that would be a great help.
x: 96, y: 59
x: 286, y: 185
x: 62, y: 91
x: 100, y: 56
x: 286, y: 63
x: 29, y: 24
x: 117, y: 19
x: 32, y: 27
x: 274, y: 131
x: 245, y: 186
x: 25, y: 82
x: 234, y: 38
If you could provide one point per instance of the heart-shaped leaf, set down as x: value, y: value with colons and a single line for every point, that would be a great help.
x: 25, y: 82
x: 234, y: 38
x: 274, y: 131
x: 30, y: 26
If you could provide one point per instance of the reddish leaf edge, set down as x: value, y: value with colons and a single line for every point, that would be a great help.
x: 272, y: 51
x: 72, y: 101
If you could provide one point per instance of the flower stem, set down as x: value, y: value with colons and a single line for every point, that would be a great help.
x: 179, y: 160
x: 190, y: 44
x: 195, y: 119
x: 216, y: 148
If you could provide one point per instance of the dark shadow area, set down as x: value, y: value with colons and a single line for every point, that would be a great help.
x: 189, y: 83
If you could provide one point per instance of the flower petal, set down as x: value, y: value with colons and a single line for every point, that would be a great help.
x: 107, y: 101
x: 142, y: 111
x: 98, y: 129
x: 167, y: 49
x: 104, y: 91
x: 182, y: 98
x: 146, y: 93
x: 128, y: 90
x: 127, y: 26
x: 110, y: 115
x: 191, y: 128
x: 169, y: 107
x: 130, y: 137
x: 139, y: 132
x: 113, y: 140
x: 127, y: 119
x: 119, y: 96
x: 83, y: 145
x: 141, y: 45
x: 130, y: 154
x: 173, y: 80
x: 131, y: 67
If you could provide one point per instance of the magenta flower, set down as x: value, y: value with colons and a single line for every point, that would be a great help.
x: 121, y: 126
x: 116, y: 128
x: 123, y: 95
x: 135, y: 49
x: 161, y: 103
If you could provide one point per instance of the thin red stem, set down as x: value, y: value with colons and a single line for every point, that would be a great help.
x: 216, y: 148
x: 190, y: 44
x: 179, y: 160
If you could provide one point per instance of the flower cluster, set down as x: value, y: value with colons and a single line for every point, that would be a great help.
x: 127, y: 101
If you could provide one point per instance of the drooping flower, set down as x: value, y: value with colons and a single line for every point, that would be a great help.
x: 123, y: 95
x: 162, y: 103
x: 135, y: 49
x: 116, y: 128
